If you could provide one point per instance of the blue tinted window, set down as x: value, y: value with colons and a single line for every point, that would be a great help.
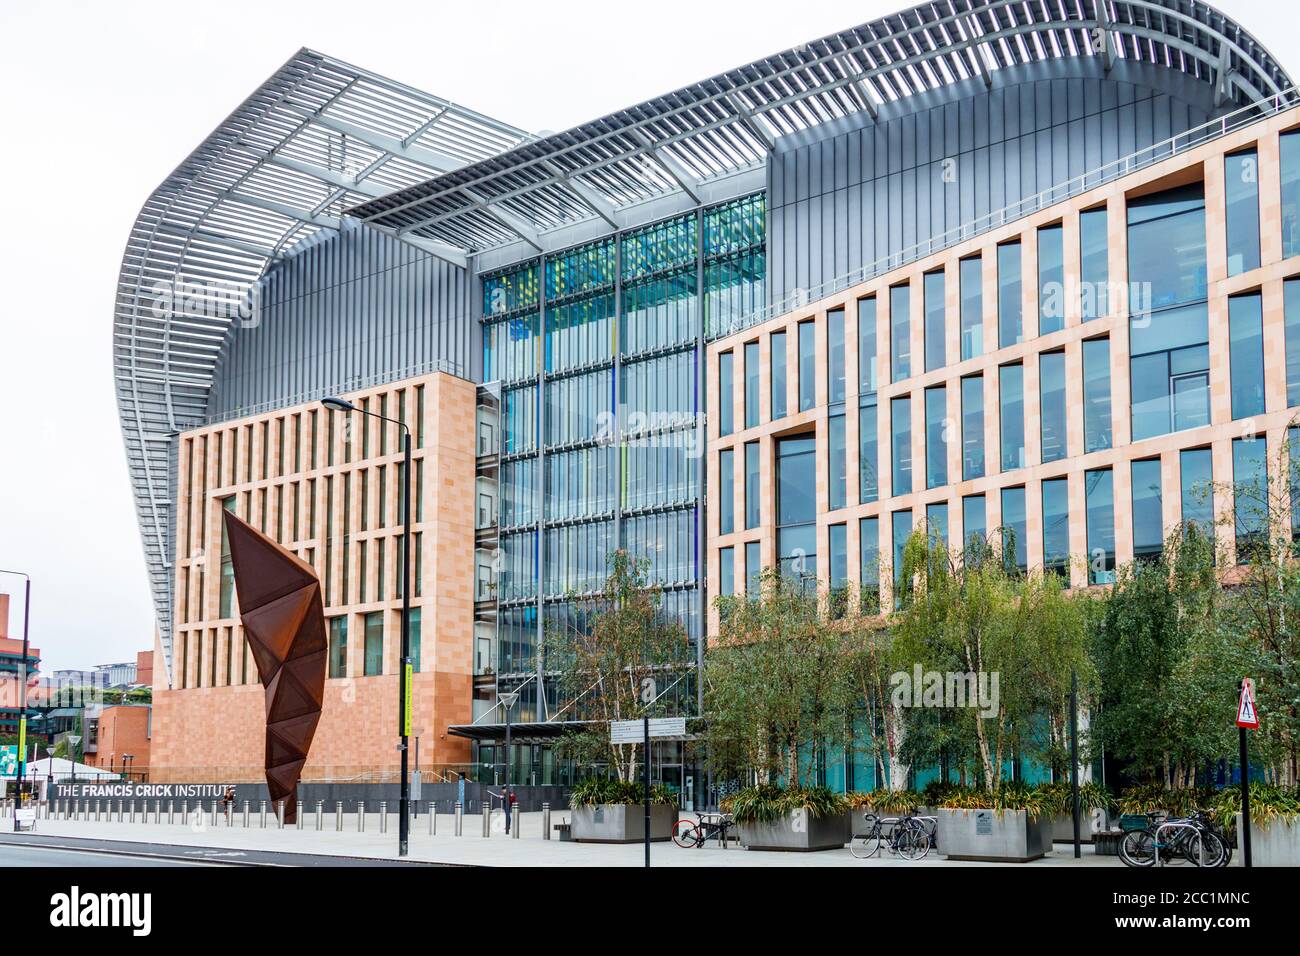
x: 778, y: 375
x: 753, y: 567
x: 1011, y: 388
x: 1290, y: 162
x: 796, y: 481
x: 1099, y: 492
x: 936, y: 354
x: 1015, y: 547
x: 936, y: 522
x: 837, y: 489
x: 1166, y: 248
x: 1197, y: 487
x: 1291, y: 311
x: 1051, y: 279
x: 1169, y: 370
x: 1010, y: 327
x: 900, y: 412
x: 1056, y: 526
x: 727, y: 571
x: 726, y: 491
x: 1096, y: 395
x: 835, y: 355
x: 1051, y: 407
x: 972, y: 307
x: 868, y: 364
x: 869, y: 555
x: 839, y: 545
x: 726, y: 394
x: 974, y: 519
x: 1250, y: 494
x: 1148, y: 516
x: 902, y: 528
x: 1246, y: 354
x: 753, y: 485
x: 751, y: 384
x: 1241, y: 189
x: 1094, y: 264
x: 900, y: 332
x: 972, y: 427
x: 936, y: 434
x: 868, y: 449
x: 807, y: 366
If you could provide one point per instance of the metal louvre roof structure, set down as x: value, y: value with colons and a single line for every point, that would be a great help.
x: 729, y: 122
x: 315, y: 139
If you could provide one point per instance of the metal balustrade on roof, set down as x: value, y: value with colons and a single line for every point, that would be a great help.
x: 727, y: 123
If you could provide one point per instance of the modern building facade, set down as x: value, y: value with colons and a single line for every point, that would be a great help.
x: 809, y: 273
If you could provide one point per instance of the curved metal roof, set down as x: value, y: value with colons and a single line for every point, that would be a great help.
x: 317, y: 137
x: 728, y: 122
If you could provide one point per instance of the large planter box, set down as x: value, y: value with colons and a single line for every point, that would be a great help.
x: 1009, y: 836
x: 622, y: 823
x: 797, y: 832
x: 1277, y: 844
x: 1061, y: 828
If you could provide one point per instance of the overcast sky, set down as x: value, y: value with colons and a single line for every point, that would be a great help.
x: 100, y: 101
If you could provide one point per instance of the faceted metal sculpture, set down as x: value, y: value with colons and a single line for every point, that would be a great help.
x: 284, y: 620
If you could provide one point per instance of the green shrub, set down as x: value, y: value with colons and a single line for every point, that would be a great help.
x: 1267, y: 803
x: 769, y: 802
x: 595, y: 791
x: 886, y: 802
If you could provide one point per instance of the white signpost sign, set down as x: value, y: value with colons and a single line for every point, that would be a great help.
x: 633, y: 731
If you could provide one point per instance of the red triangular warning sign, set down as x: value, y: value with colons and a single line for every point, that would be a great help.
x: 1247, y: 716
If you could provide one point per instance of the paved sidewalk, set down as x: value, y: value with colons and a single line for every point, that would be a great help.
x: 529, y: 849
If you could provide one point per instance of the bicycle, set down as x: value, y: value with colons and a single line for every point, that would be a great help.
x: 689, y: 833
x: 908, y: 836
x: 1193, y: 839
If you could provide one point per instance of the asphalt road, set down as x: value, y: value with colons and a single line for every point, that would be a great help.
x: 42, y: 856
x: 34, y: 849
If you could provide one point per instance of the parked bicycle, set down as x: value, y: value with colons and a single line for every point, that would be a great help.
x: 693, y: 833
x: 1194, y: 839
x: 909, y: 836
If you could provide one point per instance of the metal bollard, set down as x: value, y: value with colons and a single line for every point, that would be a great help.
x: 460, y: 819
x: 157, y: 812
x: 361, y: 816
x: 546, y: 821
x: 131, y: 817
x: 514, y: 822
x: 246, y: 803
x: 119, y: 810
x: 338, y: 816
x: 487, y: 818
x: 433, y: 817
x: 383, y: 816
x: 320, y: 814
x: 298, y: 816
x: 171, y: 812
x: 229, y: 813
x: 279, y: 814
x: 261, y: 813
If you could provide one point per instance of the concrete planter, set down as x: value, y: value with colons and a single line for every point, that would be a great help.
x: 1277, y: 844
x: 622, y: 823
x: 1009, y: 836
x: 1061, y: 827
x: 798, y: 832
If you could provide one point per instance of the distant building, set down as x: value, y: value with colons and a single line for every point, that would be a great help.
x: 11, y: 667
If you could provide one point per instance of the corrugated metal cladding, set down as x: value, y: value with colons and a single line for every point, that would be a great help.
x: 853, y: 196
x: 345, y: 308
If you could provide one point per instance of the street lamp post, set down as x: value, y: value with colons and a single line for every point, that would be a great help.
x: 508, y: 701
x: 404, y: 681
x: 22, y: 691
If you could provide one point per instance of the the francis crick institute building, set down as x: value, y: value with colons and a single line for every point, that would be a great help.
x: 977, y: 264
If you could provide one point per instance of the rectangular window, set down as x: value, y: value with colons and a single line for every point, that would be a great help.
x: 753, y: 485
x: 868, y: 361
x: 726, y: 394
x: 1051, y: 279
x: 972, y: 427
x: 726, y: 491
x: 1246, y: 354
x: 1015, y: 547
x: 1099, y: 491
x: 900, y: 332
x: 1291, y: 313
x: 901, y: 523
x: 339, y: 646
x: 374, y: 655
x: 936, y: 344
x: 414, y: 628
x: 1096, y: 395
x: 837, y: 490
x: 1250, y: 495
x: 1094, y: 264
x: 1197, y: 487
x: 796, y: 508
x: 972, y: 307
x: 1241, y: 191
x: 727, y: 571
x: 225, y: 607
x: 807, y: 366
x: 1011, y: 401
x: 1010, y: 326
x: 900, y: 415
x: 936, y: 523
x: 778, y: 375
x: 1056, y: 526
x: 1148, y: 518
x: 936, y: 435
x: 868, y: 449
x: 838, y: 539
x: 1051, y: 404
x: 835, y: 371
x: 751, y: 384
x: 1289, y: 144
x: 753, y: 568
x: 869, y: 558
x: 974, y: 521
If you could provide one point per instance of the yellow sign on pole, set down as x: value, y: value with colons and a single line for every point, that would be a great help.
x: 22, y: 737
x: 406, y: 701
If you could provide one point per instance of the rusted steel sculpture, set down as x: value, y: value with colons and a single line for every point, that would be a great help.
x: 284, y: 621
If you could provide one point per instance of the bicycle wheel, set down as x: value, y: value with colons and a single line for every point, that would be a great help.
x: 1138, y: 848
x: 686, y: 834
x: 913, y: 844
x: 1216, y: 850
x: 865, y: 845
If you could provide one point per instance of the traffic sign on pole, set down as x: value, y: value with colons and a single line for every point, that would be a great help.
x: 1247, y: 715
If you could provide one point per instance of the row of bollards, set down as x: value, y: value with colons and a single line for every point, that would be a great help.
x: 222, y: 813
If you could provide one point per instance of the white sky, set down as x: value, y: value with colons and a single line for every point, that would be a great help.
x: 100, y: 101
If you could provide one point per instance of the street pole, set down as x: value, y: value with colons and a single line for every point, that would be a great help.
x: 404, y: 694
x: 1244, y: 756
x: 1074, y: 758
x: 505, y: 791
x: 22, y: 693
x: 645, y: 781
